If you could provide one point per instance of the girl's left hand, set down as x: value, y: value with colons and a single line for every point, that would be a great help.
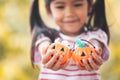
x: 96, y: 61
x: 92, y: 63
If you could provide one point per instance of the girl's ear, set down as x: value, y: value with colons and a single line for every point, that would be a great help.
x: 90, y: 10
x: 91, y: 5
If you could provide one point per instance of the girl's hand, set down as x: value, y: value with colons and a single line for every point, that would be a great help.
x: 92, y: 63
x: 55, y: 62
x: 95, y: 62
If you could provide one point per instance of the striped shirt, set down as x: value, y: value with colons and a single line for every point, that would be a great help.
x: 71, y: 72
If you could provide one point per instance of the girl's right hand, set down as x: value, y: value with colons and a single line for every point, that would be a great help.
x: 55, y: 62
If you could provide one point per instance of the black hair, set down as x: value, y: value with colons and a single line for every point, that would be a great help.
x: 47, y: 4
x: 38, y: 27
x: 99, y: 16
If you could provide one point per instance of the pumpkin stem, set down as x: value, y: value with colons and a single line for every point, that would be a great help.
x: 80, y: 43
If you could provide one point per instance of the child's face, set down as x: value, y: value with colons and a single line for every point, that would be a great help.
x: 70, y: 15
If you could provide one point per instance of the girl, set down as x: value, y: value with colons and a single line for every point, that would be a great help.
x: 74, y: 17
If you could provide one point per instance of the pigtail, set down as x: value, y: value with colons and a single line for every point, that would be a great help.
x: 38, y: 27
x: 100, y: 17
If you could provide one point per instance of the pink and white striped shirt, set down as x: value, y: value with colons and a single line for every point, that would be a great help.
x: 71, y: 72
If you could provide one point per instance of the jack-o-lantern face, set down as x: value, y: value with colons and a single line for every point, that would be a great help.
x: 82, y: 53
x: 61, y: 50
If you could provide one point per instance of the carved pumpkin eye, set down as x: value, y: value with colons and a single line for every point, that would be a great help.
x: 53, y: 47
x: 51, y: 55
x: 62, y: 49
x: 83, y: 54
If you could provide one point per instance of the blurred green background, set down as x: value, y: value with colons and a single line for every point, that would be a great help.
x: 15, y: 40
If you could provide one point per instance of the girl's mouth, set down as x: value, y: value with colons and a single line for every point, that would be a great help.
x: 71, y: 21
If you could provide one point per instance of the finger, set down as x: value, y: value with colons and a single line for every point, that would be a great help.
x: 52, y: 61
x: 93, y: 64
x: 99, y: 51
x: 87, y: 66
x: 44, y: 50
x: 46, y: 56
x: 80, y: 67
x: 57, y: 64
x: 97, y: 58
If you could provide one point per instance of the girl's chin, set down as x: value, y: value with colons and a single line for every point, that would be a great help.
x: 71, y: 33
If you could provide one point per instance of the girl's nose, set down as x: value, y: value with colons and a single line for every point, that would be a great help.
x: 69, y: 12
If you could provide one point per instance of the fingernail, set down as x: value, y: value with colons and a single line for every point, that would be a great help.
x: 83, y: 60
x: 56, y: 53
x: 61, y: 57
x: 89, y: 59
x: 93, y: 54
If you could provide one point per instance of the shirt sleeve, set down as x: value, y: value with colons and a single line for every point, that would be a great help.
x: 102, y: 37
x: 37, y: 56
x: 40, y: 41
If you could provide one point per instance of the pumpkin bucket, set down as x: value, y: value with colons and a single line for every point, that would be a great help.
x: 61, y: 50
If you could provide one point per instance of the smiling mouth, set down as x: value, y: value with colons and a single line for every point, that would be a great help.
x: 71, y: 21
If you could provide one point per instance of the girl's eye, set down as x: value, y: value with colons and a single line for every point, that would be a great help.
x: 77, y: 5
x: 60, y: 7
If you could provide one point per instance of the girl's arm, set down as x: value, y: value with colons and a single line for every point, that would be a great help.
x: 55, y: 62
x: 99, y: 40
x: 95, y: 62
x: 42, y: 43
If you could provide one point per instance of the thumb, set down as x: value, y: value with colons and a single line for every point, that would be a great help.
x: 44, y: 50
x: 98, y: 51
